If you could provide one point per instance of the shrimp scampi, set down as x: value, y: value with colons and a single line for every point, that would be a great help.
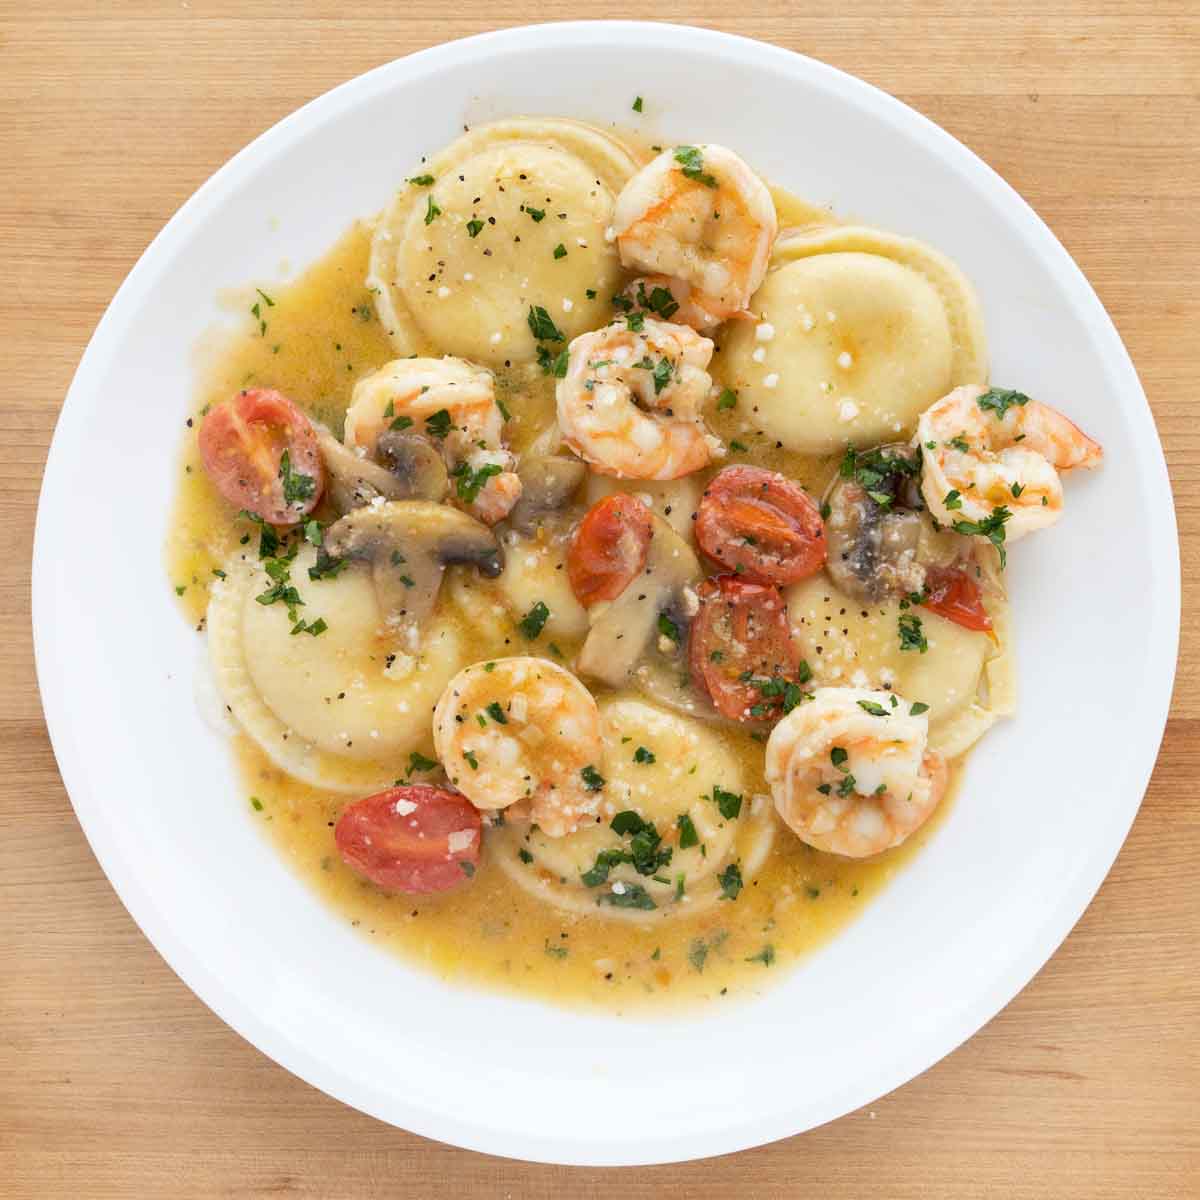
x: 851, y: 773
x: 630, y: 402
x: 994, y: 455
x: 452, y: 403
x: 699, y: 214
x: 522, y: 731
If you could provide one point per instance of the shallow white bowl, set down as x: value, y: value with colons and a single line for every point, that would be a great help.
x: 1049, y: 795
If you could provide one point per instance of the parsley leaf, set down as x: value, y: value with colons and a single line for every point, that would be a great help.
x: 475, y: 227
x: 688, y: 837
x: 542, y: 327
x: 876, y: 710
x: 912, y: 637
x: 439, y: 424
x: 296, y: 487
x: 726, y: 400
x: 418, y: 762
x: 730, y: 880
x: 729, y: 803
x: 632, y: 895
x: 691, y: 163
x: 431, y: 211
x: 1000, y: 400
x: 470, y: 483
x: 497, y: 713
x: 766, y: 955
x: 534, y: 621
x: 592, y: 779
x: 918, y: 707
x: 422, y: 180
x: 642, y: 755
x: 668, y: 628
x: 991, y: 527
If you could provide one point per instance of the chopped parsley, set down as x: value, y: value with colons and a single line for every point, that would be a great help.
x: 876, y: 710
x: 698, y: 954
x: 314, y: 534
x: 537, y: 214
x: 418, y: 762
x: 256, y: 803
x: 668, y: 628
x: 912, y: 637
x: 688, y: 837
x: 592, y: 779
x: 560, y: 251
x: 838, y: 756
x: 268, y: 539
x: 918, y: 707
x: 991, y: 527
x: 469, y: 482
x: 637, y: 104
x: 552, y: 364
x: 472, y: 761
x: 766, y: 955
x: 631, y: 895
x: 777, y: 688
x: 691, y: 163
x: 525, y: 856
x: 730, y: 880
x: 959, y: 443
x: 296, y: 487
x: 317, y: 627
x: 422, y: 180
x: 1000, y: 400
x: 736, y: 445
x: 467, y: 868
x: 953, y: 499
x: 636, y: 321
x: 542, y: 327
x: 438, y: 424
x: 552, y: 950
x: 878, y: 472
x: 728, y: 803
x: 534, y: 621
x: 726, y: 400
x: 432, y: 212
x: 401, y: 423
x: 497, y: 713
x: 1016, y: 490
x: 642, y: 755
x: 475, y: 227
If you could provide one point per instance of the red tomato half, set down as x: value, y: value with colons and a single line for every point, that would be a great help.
x: 242, y: 444
x: 741, y: 633
x: 761, y: 525
x: 953, y: 594
x: 414, y: 838
x: 609, y: 548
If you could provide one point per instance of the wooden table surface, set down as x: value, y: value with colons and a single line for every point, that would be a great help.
x: 115, y: 1081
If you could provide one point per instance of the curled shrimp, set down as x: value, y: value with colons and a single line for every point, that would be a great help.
x: 700, y: 215
x: 413, y: 393
x: 851, y: 773
x: 989, y: 448
x: 630, y: 402
x: 525, y: 732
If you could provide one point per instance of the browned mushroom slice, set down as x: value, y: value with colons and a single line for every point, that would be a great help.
x: 409, y: 468
x: 409, y: 544
x: 547, y: 484
x: 656, y: 607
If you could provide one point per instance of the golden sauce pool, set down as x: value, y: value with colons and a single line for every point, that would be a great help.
x: 313, y: 339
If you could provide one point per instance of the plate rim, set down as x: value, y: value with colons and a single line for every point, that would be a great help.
x: 923, y: 1052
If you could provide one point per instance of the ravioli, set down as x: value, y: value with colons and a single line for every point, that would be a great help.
x: 858, y: 332
x: 662, y: 766
x: 850, y: 644
x: 515, y: 217
x: 342, y: 709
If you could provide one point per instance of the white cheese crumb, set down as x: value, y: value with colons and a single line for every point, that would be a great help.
x: 618, y: 888
x: 764, y: 332
x: 844, y: 360
x: 772, y: 380
x: 468, y: 277
x: 404, y: 807
x: 568, y: 304
x: 460, y: 839
x: 759, y: 355
x: 443, y: 292
x: 581, y: 242
x: 848, y: 410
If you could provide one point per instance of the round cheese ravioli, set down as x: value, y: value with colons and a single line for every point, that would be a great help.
x: 341, y: 709
x: 677, y: 780
x: 858, y: 332
x: 515, y: 218
x: 850, y: 644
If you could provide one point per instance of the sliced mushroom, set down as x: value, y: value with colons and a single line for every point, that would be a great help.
x: 409, y: 544
x: 547, y: 484
x: 406, y: 471
x: 875, y: 524
x: 623, y: 629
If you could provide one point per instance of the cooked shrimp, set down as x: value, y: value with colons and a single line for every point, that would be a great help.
x: 672, y: 300
x: 700, y: 215
x: 631, y: 398
x: 989, y: 448
x: 412, y: 393
x: 851, y: 773
x: 522, y: 731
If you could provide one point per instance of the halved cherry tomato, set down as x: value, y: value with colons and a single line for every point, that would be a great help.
x: 740, y: 640
x: 952, y: 593
x: 242, y: 444
x: 762, y: 525
x: 609, y: 548
x: 414, y: 838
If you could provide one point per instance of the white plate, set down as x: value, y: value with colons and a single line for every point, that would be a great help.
x: 1049, y: 796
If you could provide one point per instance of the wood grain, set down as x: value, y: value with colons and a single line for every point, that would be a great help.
x: 116, y: 1082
